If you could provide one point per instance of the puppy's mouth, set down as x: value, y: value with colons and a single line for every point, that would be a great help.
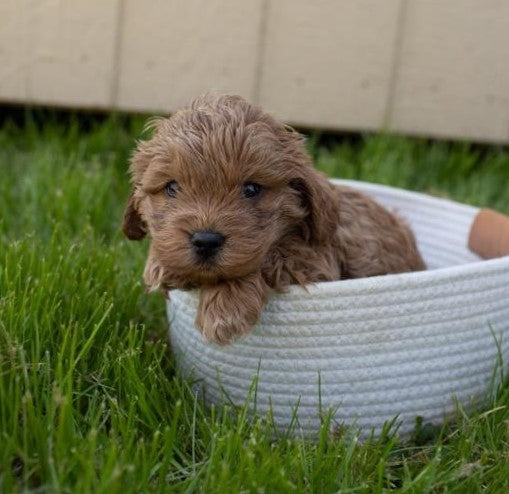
x: 207, y: 264
x: 209, y: 257
x: 207, y: 271
x: 204, y: 273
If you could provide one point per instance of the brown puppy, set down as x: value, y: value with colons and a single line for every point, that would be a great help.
x: 235, y: 208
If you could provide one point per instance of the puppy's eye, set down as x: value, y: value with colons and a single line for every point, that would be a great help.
x: 171, y: 188
x: 251, y: 189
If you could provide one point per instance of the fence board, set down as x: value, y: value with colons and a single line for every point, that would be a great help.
x: 329, y: 63
x: 56, y: 52
x: 174, y: 50
x: 426, y: 67
x: 453, y: 73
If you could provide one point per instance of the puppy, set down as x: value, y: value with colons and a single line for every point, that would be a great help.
x: 234, y: 207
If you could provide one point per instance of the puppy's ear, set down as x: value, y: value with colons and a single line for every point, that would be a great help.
x: 133, y: 226
x: 318, y: 199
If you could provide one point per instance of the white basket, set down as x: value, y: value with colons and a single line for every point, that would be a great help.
x: 402, y: 345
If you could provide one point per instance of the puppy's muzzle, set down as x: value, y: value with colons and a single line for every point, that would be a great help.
x: 206, y: 243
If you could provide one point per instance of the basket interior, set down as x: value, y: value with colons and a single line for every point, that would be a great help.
x: 441, y: 226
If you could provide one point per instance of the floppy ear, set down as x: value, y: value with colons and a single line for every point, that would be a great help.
x: 133, y: 226
x: 319, y: 200
x: 317, y: 193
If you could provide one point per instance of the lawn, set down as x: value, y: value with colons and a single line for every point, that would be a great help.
x: 89, y: 397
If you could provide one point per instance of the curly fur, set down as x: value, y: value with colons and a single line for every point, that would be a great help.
x: 300, y: 230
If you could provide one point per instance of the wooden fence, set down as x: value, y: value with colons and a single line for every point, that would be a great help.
x: 426, y: 67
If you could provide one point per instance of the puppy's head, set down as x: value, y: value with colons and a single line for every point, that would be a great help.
x: 217, y: 186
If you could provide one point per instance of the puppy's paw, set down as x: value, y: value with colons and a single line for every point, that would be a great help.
x: 229, y: 309
x: 221, y: 329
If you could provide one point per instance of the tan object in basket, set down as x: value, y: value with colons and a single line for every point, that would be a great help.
x: 489, y: 236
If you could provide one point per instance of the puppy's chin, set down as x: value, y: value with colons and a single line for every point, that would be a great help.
x: 201, y: 277
x: 204, y: 274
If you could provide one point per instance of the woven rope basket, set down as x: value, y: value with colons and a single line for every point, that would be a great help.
x: 369, y: 349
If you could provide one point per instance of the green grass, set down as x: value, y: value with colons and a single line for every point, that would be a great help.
x: 89, y: 397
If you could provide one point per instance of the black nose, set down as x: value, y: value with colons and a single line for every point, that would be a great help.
x: 206, y: 243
